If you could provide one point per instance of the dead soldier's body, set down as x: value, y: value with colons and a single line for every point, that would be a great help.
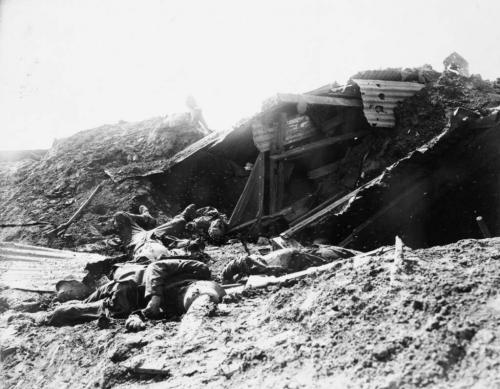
x: 283, y: 261
x: 153, y: 283
x: 164, y: 287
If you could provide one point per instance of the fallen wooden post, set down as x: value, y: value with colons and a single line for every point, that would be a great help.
x: 398, y: 250
x: 263, y: 281
x: 64, y: 226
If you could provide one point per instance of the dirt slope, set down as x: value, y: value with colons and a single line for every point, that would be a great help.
x: 52, y: 189
x: 436, y: 326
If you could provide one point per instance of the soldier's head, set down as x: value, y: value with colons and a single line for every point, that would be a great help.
x: 143, y: 209
x: 217, y: 231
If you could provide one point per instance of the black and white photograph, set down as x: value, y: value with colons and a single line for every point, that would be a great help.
x: 226, y: 194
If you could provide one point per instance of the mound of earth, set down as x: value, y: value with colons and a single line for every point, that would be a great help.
x: 52, y: 189
x: 362, y: 325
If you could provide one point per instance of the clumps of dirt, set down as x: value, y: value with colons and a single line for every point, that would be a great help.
x: 51, y: 189
x: 419, y: 119
x: 426, y: 114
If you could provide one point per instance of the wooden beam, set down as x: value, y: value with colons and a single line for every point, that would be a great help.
x: 317, y: 208
x: 281, y: 99
x: 298, y: 151
x: 261, y: 187
x: 63, y: 227
x: 321, y: 213
x: 276, y: 171
x: 273, y: 185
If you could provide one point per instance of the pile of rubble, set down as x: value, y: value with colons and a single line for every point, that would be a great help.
x: 49, y: 190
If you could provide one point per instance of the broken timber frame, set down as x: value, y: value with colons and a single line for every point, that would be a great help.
x: 298, y: 151
x: 269, y: 181
x: 325, y: 210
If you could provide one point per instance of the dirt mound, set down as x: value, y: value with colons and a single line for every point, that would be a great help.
x: 363, y: 325
x: 52, y: 189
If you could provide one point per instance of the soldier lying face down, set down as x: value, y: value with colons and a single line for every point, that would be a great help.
x: 283, y: 261
x: 137, y: 291
x: 148, y: 242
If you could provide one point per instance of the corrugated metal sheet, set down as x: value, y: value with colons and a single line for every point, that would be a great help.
x: 40, y: 268
x: 380, y: 97
x: 298, y: 128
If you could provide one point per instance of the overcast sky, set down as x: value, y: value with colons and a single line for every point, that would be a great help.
x: 69, y: 65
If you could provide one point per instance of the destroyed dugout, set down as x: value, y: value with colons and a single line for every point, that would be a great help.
x: 353, y: 165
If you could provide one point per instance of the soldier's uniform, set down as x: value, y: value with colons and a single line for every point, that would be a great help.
x: 283, y: 261
x: 133, y: 285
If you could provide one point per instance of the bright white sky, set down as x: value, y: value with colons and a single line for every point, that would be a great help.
x: 69, y: 65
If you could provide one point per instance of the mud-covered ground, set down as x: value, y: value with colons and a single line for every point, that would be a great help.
x: 358, y: 326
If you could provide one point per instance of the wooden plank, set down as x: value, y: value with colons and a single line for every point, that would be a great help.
x: 298, y: 151
x: 318, y: 208
x: 276, y: 167
x: 321, y: 213
x: 273, y: 185
x: 256, y: 282
x: 292, y: 212
x: 261, y: 187
x: 281, y: 99
x: 247, y: 192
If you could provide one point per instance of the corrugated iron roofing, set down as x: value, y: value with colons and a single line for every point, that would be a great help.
x: 380, y: 97
x: 40, y: 268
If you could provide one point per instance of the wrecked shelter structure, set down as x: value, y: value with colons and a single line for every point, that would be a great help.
x: 330, y: 164
x: 385, y: 154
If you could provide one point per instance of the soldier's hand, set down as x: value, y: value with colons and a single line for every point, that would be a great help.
x: 134, y: 323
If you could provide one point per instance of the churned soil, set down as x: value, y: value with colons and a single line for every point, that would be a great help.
x: 364, y: 324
